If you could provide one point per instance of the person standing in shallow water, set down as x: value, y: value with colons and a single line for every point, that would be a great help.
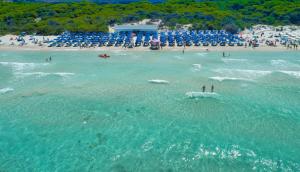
x: 203, y: 88
x: 212, y: 88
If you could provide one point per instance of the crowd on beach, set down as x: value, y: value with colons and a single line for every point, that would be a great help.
x: 257, y: 36
x: 287, y: 36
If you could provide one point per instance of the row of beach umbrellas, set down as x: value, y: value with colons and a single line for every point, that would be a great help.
x: 144, y: 38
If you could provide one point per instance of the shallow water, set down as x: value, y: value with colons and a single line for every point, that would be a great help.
x: 82, y: 113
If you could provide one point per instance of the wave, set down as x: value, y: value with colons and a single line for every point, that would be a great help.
x: 220, y: 79
x: 197, y: 94
x: 241, y: 73
x: 17, y: 66
x: 228, y: 60
x: 43, y: 74
x: 6, y: 90
x: 249, y: 75
x: 295, y: 74
x: 158, y: 81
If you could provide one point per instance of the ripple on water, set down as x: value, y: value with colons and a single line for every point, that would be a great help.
x: 6, y: 90
x: 18, y: 66
x: 220, y: 79
x: 198, y: 94
x: 283, y: 64
x: 232, y: 154
x: 43, y: 74
x: 245, y: 74
x: 228, y: 60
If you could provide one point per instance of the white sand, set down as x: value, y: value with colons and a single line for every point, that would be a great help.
x: 187, y: 49
x: 270, y: 33
x: 11, y: 40
x: 8, y: 44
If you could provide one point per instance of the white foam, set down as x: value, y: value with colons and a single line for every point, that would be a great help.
x: 6, y: 90
x: 241, y: 73
x: 158, y: 81
x: 228, y: 60
x: 17, y: 66
x: 295, y: 74
x: 235, y: 153
x: 26, y: 74
x: 197, y: 67
x: 196, y: 94
x: 43, y: 74
x: 220, y: 79
x: 64, y: 74
x: 217, y: 152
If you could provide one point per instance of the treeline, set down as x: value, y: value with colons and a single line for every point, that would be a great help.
x: 47, y: 18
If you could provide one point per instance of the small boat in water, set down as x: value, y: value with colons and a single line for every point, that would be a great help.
x: 104, y: 56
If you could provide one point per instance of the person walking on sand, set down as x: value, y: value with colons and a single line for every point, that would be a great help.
x: 203, y: 88
x: 212, y: 88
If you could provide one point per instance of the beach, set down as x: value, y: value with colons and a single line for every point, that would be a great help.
x: 194, y: 49
x: 263, y: 35
x: 31, y: 47
x: 81, y: 112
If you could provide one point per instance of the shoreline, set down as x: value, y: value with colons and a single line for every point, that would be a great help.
x: 141, y: 49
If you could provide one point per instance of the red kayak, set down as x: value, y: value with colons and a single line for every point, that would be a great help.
x: 104, y: 56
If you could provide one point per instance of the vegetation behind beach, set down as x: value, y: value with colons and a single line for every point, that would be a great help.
x: 54, y: 18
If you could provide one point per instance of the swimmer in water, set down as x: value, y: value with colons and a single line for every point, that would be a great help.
x: 203, y: 88
x: 212, y: 88
x: 50, y: 58
x: 223, y: 54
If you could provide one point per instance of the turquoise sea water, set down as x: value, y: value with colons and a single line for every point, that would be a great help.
x: 83, y: 113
